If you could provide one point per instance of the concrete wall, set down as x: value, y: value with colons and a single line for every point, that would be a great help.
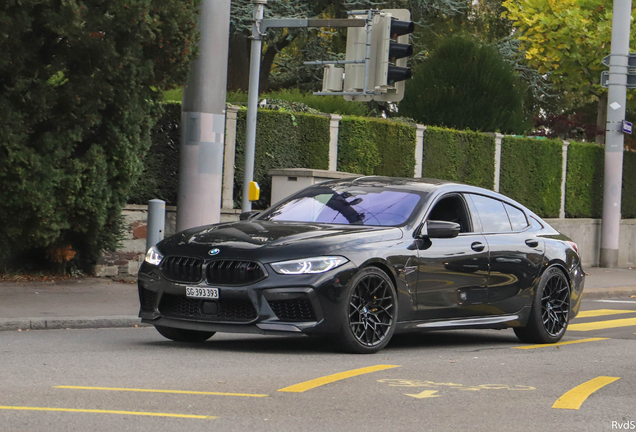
x: 126, y: 261
x: 586, y: 233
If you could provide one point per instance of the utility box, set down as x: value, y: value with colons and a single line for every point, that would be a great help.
x: 287, y: 181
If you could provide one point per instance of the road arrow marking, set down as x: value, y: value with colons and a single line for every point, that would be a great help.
x: 424, y: 394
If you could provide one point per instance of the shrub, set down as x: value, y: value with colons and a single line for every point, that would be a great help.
x: 584, y: 184
x: 465, y: 85
x: 531, y: 173
x: 376, y: 147
x: 466, y: 157
x: 628, y: 201
x: 283, y: 140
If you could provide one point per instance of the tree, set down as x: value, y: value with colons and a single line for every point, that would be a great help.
x: 567, y: 40
x: 465, y: 85
x: 307, y: 44
x: 79, y: 83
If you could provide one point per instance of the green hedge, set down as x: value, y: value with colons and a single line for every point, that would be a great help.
x: 462, y: 156
x: 584, y: 182
x: 161, y: 163
x: 376, y: 147
x: 283, y: 140
x: 531, y: 173
x: 628, y: 201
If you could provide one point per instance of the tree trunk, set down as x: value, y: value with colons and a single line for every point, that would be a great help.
x: 601, y: 118
x: 268, y: 61
x: 238, y: 63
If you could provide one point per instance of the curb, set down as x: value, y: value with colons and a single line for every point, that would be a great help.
x: 113, y: 321
x: 604, y: 293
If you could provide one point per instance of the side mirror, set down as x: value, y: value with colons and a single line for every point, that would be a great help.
x: 249, y: 215
x: 442, y: 229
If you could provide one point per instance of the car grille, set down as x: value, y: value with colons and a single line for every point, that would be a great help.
x: 227, y: 272
x: 182, y: 269
x: 237, y: 310
x: 148, y: 299
x: 293, y: 310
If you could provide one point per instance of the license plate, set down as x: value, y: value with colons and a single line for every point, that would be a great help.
x: 201, y: 292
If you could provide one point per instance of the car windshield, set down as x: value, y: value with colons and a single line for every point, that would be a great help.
x: 355, y: 206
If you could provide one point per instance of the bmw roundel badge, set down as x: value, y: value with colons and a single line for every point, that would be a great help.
x: 214, y: 251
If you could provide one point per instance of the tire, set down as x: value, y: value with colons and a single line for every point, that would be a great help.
x: 183, y: 335
x: 369, y: 315
x: 550, y: 312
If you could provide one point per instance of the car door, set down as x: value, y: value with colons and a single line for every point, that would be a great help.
x: 452, y: 272
x: 516, y: 254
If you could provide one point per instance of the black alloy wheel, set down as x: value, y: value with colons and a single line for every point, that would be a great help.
x: 550, y: 313
x: 371, y: 312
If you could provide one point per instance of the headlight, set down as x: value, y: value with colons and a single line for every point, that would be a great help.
x: 153, y: 256
x: 308, y: 265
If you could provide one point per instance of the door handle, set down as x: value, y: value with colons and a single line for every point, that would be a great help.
x: 532, y: 243
x: 477, y: 246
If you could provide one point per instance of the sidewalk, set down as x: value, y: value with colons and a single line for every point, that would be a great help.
x: 102, y: 303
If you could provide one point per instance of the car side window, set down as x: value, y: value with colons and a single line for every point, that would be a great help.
x: 452, y: 209
x: 517, y: 218
x: 492, y: 214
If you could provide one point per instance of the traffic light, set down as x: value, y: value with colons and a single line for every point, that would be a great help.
x: 389, y: 50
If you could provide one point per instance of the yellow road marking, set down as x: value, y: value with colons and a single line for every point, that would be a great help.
x: 95, y: 411
x: 599, y: 325
x: 575, y: 397
x: 602, y: 312
x: 423, y: 395
x: 160, y: 391
x: 560, y: 343
x: 308, y: 385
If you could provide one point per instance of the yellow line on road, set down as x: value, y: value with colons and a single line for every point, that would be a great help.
x: 308, y: 385
x: 600, y: 325
x: 160, y: 391
x: 95, y: 411
x: 575, y: 397
x: 560, y: 343
x: 602, y: 312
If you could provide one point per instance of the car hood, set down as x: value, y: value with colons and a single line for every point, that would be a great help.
x: 268, y: 241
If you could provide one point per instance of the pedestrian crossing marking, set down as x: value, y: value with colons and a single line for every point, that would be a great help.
x: 601, y: 325
x: 602, y: 312
x: 574, y: 398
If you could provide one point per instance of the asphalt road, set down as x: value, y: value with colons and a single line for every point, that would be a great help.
x: 133, y: 379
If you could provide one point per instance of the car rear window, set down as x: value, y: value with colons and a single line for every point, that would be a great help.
x: 355, y: 206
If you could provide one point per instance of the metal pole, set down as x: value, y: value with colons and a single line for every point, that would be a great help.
x: 203, y: 121
x: 156, y: 222
x: 614, y: 138
x: 252, y: 102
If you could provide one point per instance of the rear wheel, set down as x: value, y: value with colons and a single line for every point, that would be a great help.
x: 550, y: 313
x: 370, y: 313
x: 183, y: 335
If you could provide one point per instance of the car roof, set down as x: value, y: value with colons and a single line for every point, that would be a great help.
x: 427, y: 185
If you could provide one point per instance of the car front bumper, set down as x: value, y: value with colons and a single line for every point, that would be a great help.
x: 278, y: 304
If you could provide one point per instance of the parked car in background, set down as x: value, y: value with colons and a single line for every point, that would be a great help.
x: 362, y: 259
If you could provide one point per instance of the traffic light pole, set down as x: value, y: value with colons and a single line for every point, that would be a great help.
x: 259, y: 30
x: 614, y: 138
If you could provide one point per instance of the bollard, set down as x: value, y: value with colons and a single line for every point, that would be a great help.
x: 156, y: 222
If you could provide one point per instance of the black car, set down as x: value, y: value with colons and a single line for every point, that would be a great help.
x: 363, y: 258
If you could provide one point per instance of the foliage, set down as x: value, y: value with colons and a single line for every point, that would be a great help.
x: 160, y: 178
x: 567, y: 126
x: 584, y: 183
x: 283, y: 140
x: 531, y: 172
x: 566, y: 39
x: 465, y: 85
x: 462, y: 156
x: 376, y: 147
x: 324, y: 104
x: 78, y: 85
x: 628, y: 201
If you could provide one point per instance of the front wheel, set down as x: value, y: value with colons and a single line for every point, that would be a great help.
x: 183, y: 335
x: 550, y: 312
x: 370, y: 314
